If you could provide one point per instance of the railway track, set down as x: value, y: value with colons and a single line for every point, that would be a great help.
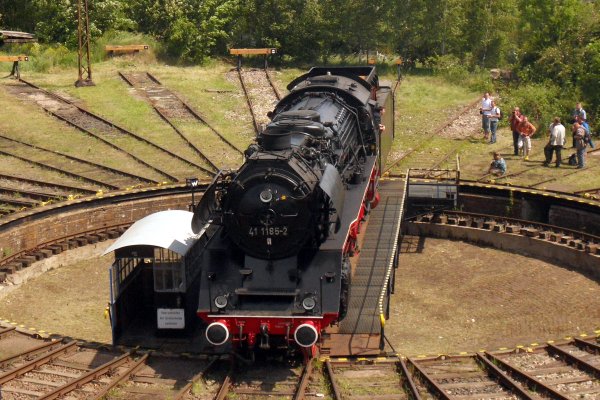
x: 536, y: 166
x: 53, y: 369
x: 24, y: 259
x: 465, y: 377
x: 424, y: 154
x: 593, y: 193
x: 65, y: 164
x: 268, y: 377
x: 178, y: 115
x: 368, y: 379
x: 18, y: 194
x: 275, y: 90
x: 70, y: 234
x: 260, y: 93
x: 122, y: 141
x: 554, y: 234
x: 576, y: 171
x: 35, y: 184
x: 57, y: 367
x: 569, y: 370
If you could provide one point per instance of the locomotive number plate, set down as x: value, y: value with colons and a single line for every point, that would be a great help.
x: 268, y: 231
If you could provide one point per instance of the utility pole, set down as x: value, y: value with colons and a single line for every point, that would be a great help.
x: 83, y: 32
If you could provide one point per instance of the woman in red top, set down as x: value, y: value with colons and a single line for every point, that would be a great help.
x: 515, y: 119
x: 526, y: 129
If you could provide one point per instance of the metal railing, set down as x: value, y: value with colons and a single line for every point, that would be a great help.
x: 388, y: 284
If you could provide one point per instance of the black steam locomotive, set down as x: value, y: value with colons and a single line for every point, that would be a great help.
x: 275, y: 267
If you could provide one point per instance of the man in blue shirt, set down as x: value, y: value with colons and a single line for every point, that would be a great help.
x: 579, y: 112
x: 588, y: 134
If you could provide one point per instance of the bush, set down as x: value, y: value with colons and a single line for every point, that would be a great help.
x: 540, y: 102
x: 455, y: 70
x: 42, y: 58
x: 123, y: 38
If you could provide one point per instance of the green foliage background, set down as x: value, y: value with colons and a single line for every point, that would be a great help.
x: 553, y: 46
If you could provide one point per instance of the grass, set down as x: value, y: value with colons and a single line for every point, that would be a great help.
x: 423, y: 104
x: 224, y: 111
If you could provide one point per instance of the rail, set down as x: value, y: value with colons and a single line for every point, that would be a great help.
x: 248, y: 101
x: 131, y: 82
x: 387, y: 287
x: 64, y: 239
x: 119, y: 129
x: 521, y: 222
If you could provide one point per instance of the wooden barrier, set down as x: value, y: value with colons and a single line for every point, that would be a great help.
x: 251, y: 52
x: 128, y: 48
x: 15, y: 60
x: 241, y: 52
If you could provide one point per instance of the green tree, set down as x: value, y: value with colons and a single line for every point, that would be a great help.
x: 17, y: 15
x: 488, y: 31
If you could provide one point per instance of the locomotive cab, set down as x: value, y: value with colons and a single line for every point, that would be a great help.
x: 153, y: 282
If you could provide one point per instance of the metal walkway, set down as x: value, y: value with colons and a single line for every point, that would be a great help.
x: 376, y: 252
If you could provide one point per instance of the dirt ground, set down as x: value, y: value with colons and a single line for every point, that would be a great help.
x: 69, y: 299
x: 452, y: 296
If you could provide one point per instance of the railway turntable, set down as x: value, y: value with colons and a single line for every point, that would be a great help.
x: 360, y: 333
x: 422, y: 190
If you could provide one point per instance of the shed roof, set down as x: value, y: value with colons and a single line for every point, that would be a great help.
x: 166, y: 229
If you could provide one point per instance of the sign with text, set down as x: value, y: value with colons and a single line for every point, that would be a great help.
x: 170, y: 318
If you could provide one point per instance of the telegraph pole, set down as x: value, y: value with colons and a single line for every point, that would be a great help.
x: 83, y: 32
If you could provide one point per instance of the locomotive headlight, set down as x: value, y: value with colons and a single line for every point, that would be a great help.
x: 309, y: 303
x: 221, y: 302
x: 266, y: 196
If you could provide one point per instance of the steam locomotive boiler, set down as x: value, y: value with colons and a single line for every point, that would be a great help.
x: 276, y: 269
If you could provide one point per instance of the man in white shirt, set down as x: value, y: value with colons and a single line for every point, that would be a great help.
x: 486, y: 110
x: 556, y: 142
x: 493, y: 118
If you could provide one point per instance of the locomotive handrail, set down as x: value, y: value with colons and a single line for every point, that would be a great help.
x: 392, y: 264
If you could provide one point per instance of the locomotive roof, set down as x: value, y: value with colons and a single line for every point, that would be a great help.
x: 366, y: 76
x: 166, y: 229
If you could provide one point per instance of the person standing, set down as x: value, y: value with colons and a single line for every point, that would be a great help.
x: 556, y: 142
x: 579, y: 112
x: 580, y: 144
x: 485, y: 110
x: 494, y: 116
x: 526, y: 129
x: 515, y: 119
x: 588, y: 133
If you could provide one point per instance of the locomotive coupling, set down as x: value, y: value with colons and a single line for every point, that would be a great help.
x: 264, y: 338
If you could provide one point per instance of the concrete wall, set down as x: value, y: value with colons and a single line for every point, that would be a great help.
x: 575, y: 219
x: 533, y: 209
x: 492, y: 205
x: 552, y: 252
x: 29, y: 235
